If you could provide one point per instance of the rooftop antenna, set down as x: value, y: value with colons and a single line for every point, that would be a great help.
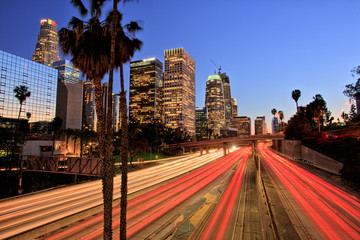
x: 217, y: 67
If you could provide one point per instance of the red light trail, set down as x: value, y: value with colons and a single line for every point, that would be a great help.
x: 145, y: 209
x: 222, y: 213
x: 334, y: 213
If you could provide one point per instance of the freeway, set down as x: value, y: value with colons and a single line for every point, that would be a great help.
x: 29, y: 213
x: 145, y: 209
x: 322, y: 210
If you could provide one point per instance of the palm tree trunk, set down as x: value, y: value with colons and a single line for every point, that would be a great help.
x: 297, y: 108
x: 20, y: 110
x: 124, y: 156
x: 107, y: 179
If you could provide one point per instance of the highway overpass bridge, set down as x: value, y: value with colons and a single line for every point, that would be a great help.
x: 227, y: 143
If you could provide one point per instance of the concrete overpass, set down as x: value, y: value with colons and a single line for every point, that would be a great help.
x: 226, y: 143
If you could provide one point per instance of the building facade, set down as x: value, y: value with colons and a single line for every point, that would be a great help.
x: 69, y: 104
x: 275, y: 125
x: 179, y: 90
x: 242, y: 124
x: 215, y: 105
x: 201, y: 123
x: 47, y: 46
x: 234, y: 107
x: 260, y: 125
x: 89, y: 109
x: 146, y: 91
x: 227, y: 98
x: 41, y: 82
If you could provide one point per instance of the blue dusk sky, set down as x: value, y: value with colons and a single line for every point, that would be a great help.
x: 267, y: 48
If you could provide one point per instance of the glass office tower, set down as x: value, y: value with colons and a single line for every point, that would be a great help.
x: 179, y: 90
x: 146, y: 91
x: 41, y: 81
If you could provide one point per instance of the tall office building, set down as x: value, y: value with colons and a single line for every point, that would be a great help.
x: 215, y: 105
x: 89, y: 111
x: 179, y: 90
x: 275, y: 125
x: 260, y: 125
x: 234, y: 107
x: 41, y: 81
x: 69, y: 104
x: 227, y: 98
x: 242, y: 124
x: 146, y: 91
x: 201, y: 123
x: 47, y: 46
x: 67, y: 71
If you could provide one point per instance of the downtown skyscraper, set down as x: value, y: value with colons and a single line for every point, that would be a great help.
x: 47, y: 46
x: 179, y: 90
x: 215, y: 104
x: 146, y: 91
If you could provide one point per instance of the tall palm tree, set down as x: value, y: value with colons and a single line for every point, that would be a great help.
x: 88, y: 44
x: 273, y: 111
x: 125, y: 49
x: 21, y: 93
x: 296, y: 94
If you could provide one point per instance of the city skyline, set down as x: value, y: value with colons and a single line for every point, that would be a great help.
x: 267, y: 50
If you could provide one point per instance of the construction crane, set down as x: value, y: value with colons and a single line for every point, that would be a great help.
x: 217, y: 67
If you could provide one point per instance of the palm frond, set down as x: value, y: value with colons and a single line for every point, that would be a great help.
x: 80, y: 6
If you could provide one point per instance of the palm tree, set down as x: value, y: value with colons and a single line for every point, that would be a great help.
x: 273, y: 111
x: 21, y: 93
x: 88, y: 44
x: 56, y: 125
x: 296, y: 94
x: 125, y: 48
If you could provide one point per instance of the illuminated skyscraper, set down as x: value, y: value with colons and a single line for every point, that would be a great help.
x: 227, y: 98
x: 179, y: 90
x: 146, y: 91
x: 242, y: 124
x: 260, y: 125
x: 201, y: 123
x: 275, y: 125
x: 47, y: 46
x: 69, y: 102
x: 89, y: 112
x: 41, y: 82
x: 234, y: 107
x: 214, y: 103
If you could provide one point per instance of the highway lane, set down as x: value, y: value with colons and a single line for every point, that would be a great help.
x: 145, y: 209
x: 326, y: 209
x: 221, y: 225
x: 25, y: 213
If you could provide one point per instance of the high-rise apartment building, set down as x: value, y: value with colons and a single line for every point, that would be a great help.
x: 69, y: 104
x: 215, y: 105
x: 242, y: 124
x: 89, y: 111
x: 260, y: 125
x: 234, y: 107
x: 40, y: 80
x: 201, y: 123
x: 179, y: 90
x: 47, y: 46
x: 146, y: 91
x: 227, y: 98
